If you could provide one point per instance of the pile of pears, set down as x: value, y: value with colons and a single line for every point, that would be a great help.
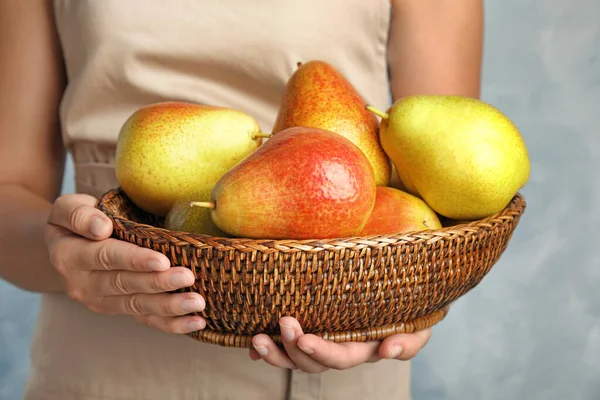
x: 333, y: 166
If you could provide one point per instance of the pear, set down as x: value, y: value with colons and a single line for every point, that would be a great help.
x: 317, y: 95
x: 303, y: 183
x: 172, y: 150
x: 184, y: 217
x: 462, y: 156
x: 448, y: 222
x: 400, y: 180
x: 396, y: 212
x: 400, y: 183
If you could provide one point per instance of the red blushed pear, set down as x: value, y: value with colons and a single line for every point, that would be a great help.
x: 303, y: 183
x: 396, y: 211
x: 318, y: 95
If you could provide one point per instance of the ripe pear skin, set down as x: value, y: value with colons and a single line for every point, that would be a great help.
x: 302, y: 183
x: 397, y: 212
x: 172, y: 150
x: 185, y: 218
x: 462, y: 156
x: 318, y: 95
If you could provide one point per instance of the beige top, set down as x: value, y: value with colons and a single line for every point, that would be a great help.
x: 121, y: 55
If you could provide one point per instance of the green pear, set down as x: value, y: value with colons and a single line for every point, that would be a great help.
x: 448, y: 222
x: 462, y: 156
x: 184, y: 217
x: 175, y: 150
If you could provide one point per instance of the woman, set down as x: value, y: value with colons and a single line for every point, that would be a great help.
x: 71, y: 72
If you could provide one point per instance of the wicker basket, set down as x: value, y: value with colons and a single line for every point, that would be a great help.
x: 350, y: 289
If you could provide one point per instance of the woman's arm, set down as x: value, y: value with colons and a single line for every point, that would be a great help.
x: 435, y: 47
x: 43, y: 237
x: 31, y: 150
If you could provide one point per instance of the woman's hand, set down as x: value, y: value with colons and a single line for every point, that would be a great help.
x: 113, y: 277
x: 313, y: 354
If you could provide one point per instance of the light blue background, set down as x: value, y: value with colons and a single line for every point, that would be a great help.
x: 531, y: 330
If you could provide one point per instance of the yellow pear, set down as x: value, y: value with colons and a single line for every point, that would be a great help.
x: 173, y: 150
x: 464, y: 157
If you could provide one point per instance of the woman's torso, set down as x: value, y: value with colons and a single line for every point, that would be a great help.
x: 121, y: 55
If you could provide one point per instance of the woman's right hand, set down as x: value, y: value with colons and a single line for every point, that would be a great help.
x: 114, y: 277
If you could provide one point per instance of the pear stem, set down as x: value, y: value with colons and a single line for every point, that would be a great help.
x: 375, y: 111
x: 261, y: 135
x: 205, y: 204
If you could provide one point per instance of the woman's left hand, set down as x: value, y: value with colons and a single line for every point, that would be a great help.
x: 313, y: 354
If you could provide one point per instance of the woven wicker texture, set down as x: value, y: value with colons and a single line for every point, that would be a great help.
x: 351, y: 289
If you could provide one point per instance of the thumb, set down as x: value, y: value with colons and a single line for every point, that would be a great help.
x: 78, y: 214
x: 404, y: 346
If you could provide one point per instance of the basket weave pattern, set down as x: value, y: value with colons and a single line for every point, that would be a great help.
x: 351, y: 289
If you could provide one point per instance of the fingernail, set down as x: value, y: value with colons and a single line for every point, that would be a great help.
x: 97, y: 226
x: 262, y: 350
x: 196, y: 325
x: 307, y: 350
x: 395, y: 352
x: 178, y: 280
x: 191, y: 305
x: 155, y: 265
x: 287, y: 332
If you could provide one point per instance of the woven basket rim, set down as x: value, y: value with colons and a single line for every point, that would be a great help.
x: 514, y: 209
x: 405, y: 280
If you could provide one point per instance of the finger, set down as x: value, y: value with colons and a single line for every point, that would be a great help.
x: 162, y: 305
x: 78, y: 213
x: 114, y: 254
x: 338, y: 355
x: 272, y: 354
x: 114, y: 283
x: 290, y: 332
x: 179, y: 325
x: 404, y: 346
